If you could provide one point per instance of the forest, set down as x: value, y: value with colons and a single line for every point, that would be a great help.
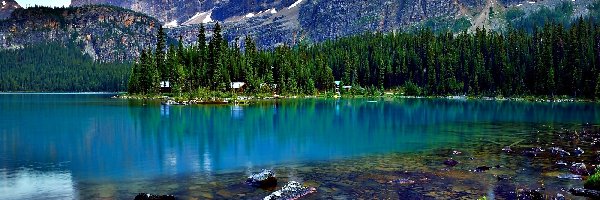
x: 552, y: 60
x: 57, y: 67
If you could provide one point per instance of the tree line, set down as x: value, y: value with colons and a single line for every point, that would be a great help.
x: 552, y: 60
x: 57, y: 67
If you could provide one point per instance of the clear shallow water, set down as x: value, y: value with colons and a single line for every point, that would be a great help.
x: 65, y: 145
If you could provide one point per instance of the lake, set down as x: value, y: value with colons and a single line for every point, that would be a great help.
x: 82, y: 146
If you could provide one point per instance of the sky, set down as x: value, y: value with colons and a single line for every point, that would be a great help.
x: 51, y: 3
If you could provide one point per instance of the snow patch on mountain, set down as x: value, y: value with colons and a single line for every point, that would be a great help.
x: 172, y: 24
x: 295, y: 4
x: 198, y: 18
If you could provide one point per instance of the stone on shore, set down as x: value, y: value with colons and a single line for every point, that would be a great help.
x: 293, y: 190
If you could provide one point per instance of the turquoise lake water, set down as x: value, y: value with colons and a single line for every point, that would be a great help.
x: 60, y: 145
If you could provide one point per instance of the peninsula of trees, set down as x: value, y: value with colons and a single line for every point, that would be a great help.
x: 552, y: 60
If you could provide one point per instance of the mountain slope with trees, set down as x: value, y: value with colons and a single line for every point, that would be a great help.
x: 56, y: 67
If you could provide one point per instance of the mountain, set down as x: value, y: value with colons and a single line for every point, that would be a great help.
x: 106, y: 33
x: 7, y: 7
x: 276, y: 22
x: 113, y: 30
x: 182, y: 10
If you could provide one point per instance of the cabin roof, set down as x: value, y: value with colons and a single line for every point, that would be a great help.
x: 237, y: 85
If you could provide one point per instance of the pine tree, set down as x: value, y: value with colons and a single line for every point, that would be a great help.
x: 598, y: 87
x: 133, y: 86
x: 160, y: 54
x: 179, y: 79
x: 200, y: 70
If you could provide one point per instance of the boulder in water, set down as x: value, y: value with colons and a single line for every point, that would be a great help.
x: 265, y: 178
x: 293, y: 190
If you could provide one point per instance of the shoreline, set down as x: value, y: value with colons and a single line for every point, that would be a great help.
x: 250, y: 99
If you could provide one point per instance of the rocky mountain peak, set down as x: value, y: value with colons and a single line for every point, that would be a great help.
x: 7, y: 7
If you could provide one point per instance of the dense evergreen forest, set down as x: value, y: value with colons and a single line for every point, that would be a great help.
x: 54, y: 67
x: 550, y: 61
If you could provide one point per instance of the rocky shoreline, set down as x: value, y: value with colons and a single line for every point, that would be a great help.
x: 554, y: 163
x: 243, y: 100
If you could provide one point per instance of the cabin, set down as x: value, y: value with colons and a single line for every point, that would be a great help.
x: 337, y: 87
x: 237, y: 86
x: 165, y: 87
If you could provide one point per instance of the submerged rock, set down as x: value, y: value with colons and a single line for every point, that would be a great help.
x: 482, y: 169
x: 293, y: 190
x: 403, y: 181
x: 451, y: 162
x: 533, y: 152
x: 265, y: 178
x: 578, y: 151
x: 579, y: 169
x: 561, y: 163
x: 529, y: 194
x: 570, y: 176
x: 507, y: 149
x: 503, y: 177
x: 559, y: 151
x: 144, y: 196
x: 594, y: 194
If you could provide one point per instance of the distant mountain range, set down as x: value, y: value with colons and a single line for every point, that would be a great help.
x: 121, y: 30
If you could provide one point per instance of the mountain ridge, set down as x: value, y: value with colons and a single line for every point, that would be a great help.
x: 7, y: 7
x: 106, y: 33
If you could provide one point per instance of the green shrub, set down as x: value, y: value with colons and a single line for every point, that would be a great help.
x: 593, y: 182
x: 411, y: 89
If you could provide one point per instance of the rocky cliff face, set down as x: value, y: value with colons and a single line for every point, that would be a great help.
x: 7, y: 7
x: 287, y: 22
x: 169, y: 11
x: 103, y: 32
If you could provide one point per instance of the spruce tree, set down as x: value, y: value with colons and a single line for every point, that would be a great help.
x: 598, y: 87
x: 160, y: 54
